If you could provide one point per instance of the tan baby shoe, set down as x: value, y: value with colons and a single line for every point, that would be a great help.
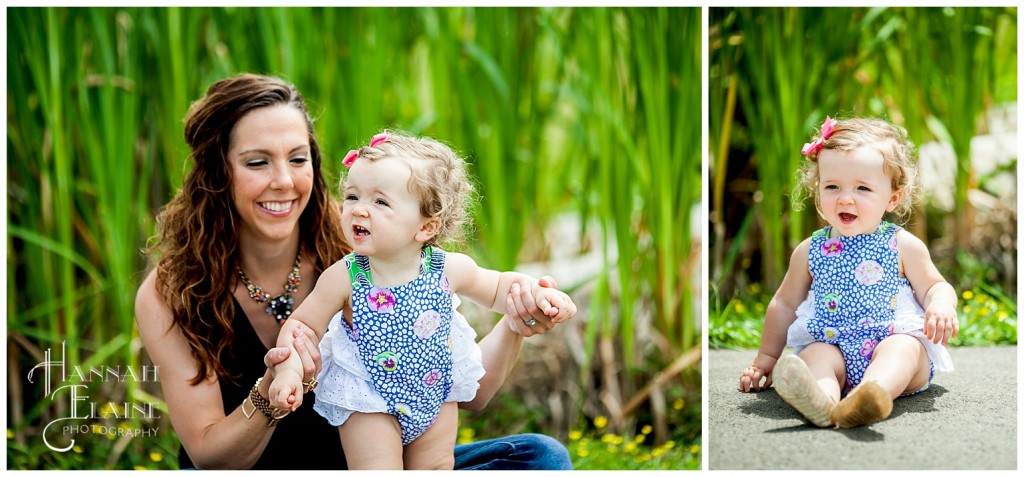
x: 797, y: 386
x: 867, y: 403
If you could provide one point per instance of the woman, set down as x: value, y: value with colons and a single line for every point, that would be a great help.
x: 255, y: 212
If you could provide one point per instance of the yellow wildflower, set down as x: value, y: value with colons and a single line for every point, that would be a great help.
x: 600, y: 422
x: 677, y: 404
x: 156, y: 456
x: 631, y: 447
x: 139, y: 467
x: 740, y: 308
x: 657, y: 452
x: 10, y: 434
x: 646, y: 429
x: 77, y: 449
x: 968, y: 294
x: 967, y: 310
x: 670, y: 444
x: 575, y: 435
x: 584, y: 452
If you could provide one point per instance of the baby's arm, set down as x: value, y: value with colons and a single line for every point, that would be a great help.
x: 780, y: 314
x: 487, y: 287
x: 330, y: 294
x: 936, y: 295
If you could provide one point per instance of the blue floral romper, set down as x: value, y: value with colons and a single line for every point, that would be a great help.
x: 855, y: 284
x: 404, y: 339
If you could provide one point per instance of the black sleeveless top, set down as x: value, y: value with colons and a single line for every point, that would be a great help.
x: 303, y: 439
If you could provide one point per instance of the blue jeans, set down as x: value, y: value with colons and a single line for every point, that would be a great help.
x: 518, y: 452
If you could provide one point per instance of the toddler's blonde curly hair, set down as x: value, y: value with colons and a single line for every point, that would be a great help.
x: 898, y: 153
x: 439, y: 180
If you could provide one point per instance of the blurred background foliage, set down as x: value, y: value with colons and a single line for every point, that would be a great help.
x: 946, y: 75
x: 580, y: 125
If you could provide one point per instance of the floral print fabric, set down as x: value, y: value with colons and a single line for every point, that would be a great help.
x: 403, y: 337
x: 856, y: 279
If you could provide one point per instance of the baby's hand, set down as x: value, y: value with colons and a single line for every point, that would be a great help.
x: 554, y: 303
x: 941, y: 323
x: 760, y: 368
x: 286, y: 390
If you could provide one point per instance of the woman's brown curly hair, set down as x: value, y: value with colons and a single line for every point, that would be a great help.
x: 197, y: 233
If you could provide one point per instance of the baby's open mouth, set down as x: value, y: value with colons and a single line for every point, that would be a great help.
x: 360, y: 231
x: 847, y: 218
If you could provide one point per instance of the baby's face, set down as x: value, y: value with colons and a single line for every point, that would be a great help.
x: 854, y: 190
x: 380, y: 216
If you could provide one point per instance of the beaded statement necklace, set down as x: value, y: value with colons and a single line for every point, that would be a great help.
x: 280, y: 306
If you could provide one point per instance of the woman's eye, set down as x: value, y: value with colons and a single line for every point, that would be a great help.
x: 299, y: 160
x: 256, y: 163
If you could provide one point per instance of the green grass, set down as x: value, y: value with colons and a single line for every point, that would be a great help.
x: 987, y: 317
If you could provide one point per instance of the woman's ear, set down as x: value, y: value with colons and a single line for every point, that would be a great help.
x: 428, y: 230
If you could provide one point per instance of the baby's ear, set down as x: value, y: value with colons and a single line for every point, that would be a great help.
x: 894, y: 200
x: 428, y: 230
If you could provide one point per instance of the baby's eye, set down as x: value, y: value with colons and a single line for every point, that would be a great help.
x: 382, y: 202
x: 351, y: 197
x: 831, y: 187
x: 864, y: 188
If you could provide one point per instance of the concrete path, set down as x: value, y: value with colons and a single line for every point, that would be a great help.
x: 966, y: 420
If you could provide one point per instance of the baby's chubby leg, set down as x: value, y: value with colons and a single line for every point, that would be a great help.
x: 900, y: 365
x: 435, y: 448
x: 827, y: 365
x: 372, y: 441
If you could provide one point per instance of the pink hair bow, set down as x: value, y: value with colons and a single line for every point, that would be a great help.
x: 352, y: 155
x: 826, y: 130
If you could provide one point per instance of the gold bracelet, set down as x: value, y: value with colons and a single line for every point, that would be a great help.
x: 258, y: 402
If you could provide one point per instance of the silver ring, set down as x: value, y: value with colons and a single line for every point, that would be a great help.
x: 533, y: 321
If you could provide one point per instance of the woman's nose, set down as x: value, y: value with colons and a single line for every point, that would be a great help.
x: 282, y: 179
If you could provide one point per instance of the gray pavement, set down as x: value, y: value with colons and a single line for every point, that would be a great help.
x: 966, y: 420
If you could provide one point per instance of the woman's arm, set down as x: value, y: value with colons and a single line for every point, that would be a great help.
x: 214, y: 438
x: 500, y: 348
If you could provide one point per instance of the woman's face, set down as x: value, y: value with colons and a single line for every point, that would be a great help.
x: 272, y: 172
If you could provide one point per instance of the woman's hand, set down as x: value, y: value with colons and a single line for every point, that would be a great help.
x: 523, y: 309
x: 309, y: 353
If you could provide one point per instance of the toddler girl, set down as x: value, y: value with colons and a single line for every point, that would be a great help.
x: 395, y: 361
x: 850, y: 302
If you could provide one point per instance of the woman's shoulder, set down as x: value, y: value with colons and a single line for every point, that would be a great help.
x: 152, y: 314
